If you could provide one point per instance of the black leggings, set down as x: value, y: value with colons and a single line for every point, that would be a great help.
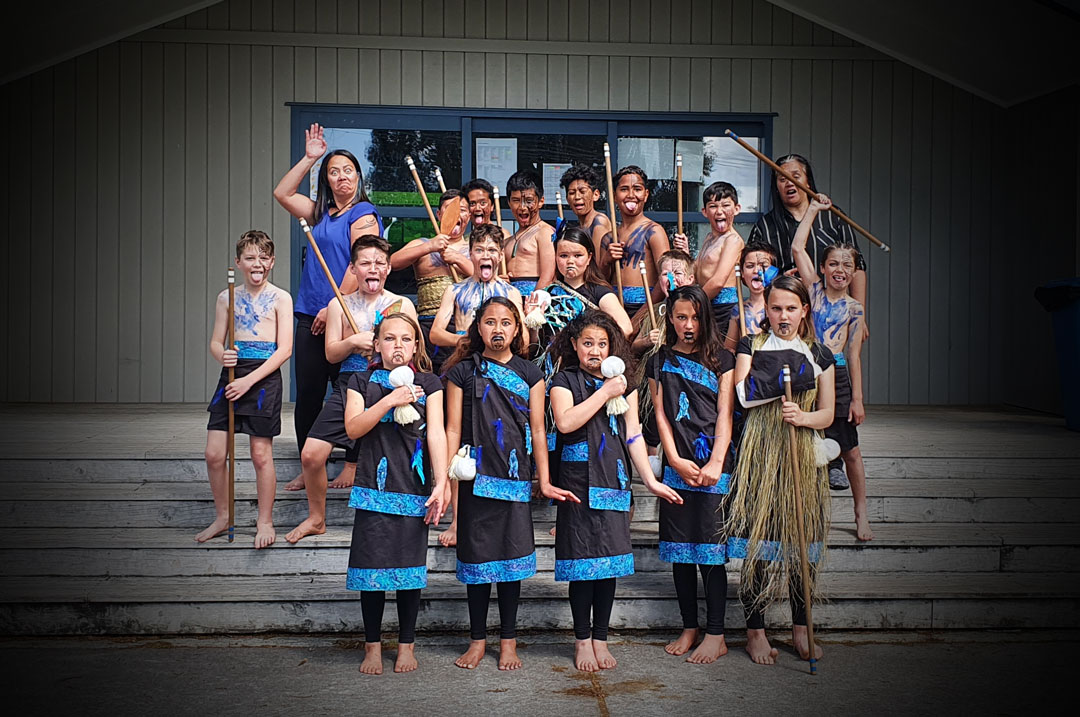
x: 755, y: 619
x: 313, y: 372
x: 714, y: 578
x: 479, y: 597
x: 372, y: 603
x: 595, y: 598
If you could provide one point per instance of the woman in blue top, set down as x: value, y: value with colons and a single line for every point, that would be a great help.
x: 339, y: 215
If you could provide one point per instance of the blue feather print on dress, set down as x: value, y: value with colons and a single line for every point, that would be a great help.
x: 380, y: 474
x: 623, y: 478
x: 613, y: 423
x: 684, y: 407
x: 479, y: 454
x: 498, y: 424
x: 418, y: 460
x: 528, y: 440
x: 603, y: 445
x: 487, y: 388
x: 262, y: 395
x: 702, y: 449
x: 513, y: 463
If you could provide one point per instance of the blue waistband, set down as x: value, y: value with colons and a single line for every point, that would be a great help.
x: 727, y: 295
x: 672, y: 479
x: 384, y: 579
x: 354, y: 363
x: 696, y: 553
x: 613, y: 566
x: 518, y: 491
x: 633, y: 294
x: 769, y: 550
x: 380, y: 501
x: 525, y: 286
x: 840, y: 359
x: 609, y: 499
x: 255, y: 349
x: 576, y: 451
x: 497, y: 571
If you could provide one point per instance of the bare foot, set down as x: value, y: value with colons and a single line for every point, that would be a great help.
x: 218, y: 527
x: 604, y: 657
x: 862, y: 528
x: 759, y: 649
x: 508, y: 657
x: 406, y: 658
x: 802, y: 643
x: 264, y: 535
x: 682, y: 644
x: 372, y: 664
x: 448, y: 538
x: 345, y: 478
x: 552, y: 531
x: 296, y: 483
x: 712, y: 647
x: 308, y: 527
x: 584, y: 656
x: 471, y: 659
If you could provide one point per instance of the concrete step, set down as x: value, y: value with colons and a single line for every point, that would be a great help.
x: 172, y: 552
x: 644, y: 601
x: 177, y: 505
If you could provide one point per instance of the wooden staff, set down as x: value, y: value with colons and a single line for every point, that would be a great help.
x: 230, y: 449
x: 427, y: 204
x: 439, y: 179
x: 803, y: 552
x: 738, y: 301
x: 329, y: 276
x: 809, y: 192
x: 614, y: 226
x: 558, y: 203
x: 648, y: 294
x: 498, y: 223
x: 678, y: 188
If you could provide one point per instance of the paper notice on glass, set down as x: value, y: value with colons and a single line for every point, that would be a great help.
x: 357, y: 141
x: 693, y: 156
x: 552, y: 174
x: 496, y: 160
x: 655, y: 156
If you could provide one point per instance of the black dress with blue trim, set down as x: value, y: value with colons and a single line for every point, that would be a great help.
x: 494, y: 523
x: 592, y: 538
x: 258, y: 411
x: 393, y: 481
x: 690, y: 533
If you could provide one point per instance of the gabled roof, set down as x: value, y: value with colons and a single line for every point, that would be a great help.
x: 1003, y: 51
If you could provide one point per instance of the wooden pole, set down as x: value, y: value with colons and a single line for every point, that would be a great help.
x: 230, y: 449
x: 648, y: 294
x: 738, y: 301
x: 784, y: 173
x: 678, y: 191
x: 439, y: 179
x: 614, y: 226
x: 558, y: 203
x: 329, y: 276
x: 804, y: 562
x: 427, y: 204
x: 498, y: 223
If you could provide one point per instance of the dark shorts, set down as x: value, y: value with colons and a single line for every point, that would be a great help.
x: 254, y: 426
x: 257, y: 412
x: 842, y: 430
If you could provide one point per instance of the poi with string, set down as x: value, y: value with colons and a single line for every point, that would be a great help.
x: 611, y: 367
x: 404, y: 376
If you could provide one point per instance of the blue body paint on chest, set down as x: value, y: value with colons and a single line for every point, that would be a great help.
x: 248, y: 310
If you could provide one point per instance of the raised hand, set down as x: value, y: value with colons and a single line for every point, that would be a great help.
x: 314, y: 143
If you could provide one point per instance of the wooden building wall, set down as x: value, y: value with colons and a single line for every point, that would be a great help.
x: 129, y: 171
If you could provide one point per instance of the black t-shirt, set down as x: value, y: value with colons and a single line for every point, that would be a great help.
x: 562, y: 380
x: 822, y: 356
x: 462, y: 376
x: 428, y: 381
x: 656, y: 362
x: 778, y: 227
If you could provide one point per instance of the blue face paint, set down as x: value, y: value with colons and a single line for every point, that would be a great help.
x: 671, y: 281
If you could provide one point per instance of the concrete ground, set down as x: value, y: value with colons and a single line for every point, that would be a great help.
x: 861, y: 673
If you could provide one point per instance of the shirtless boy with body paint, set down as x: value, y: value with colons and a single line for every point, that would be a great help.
x: 640, y: 238
x: 370, y: 265
x: 479, y: 196
x: 582, y: 186
x: 720, y: 250
x: 530, y: 252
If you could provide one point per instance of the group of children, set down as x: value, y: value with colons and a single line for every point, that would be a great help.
x: 533, y: 367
